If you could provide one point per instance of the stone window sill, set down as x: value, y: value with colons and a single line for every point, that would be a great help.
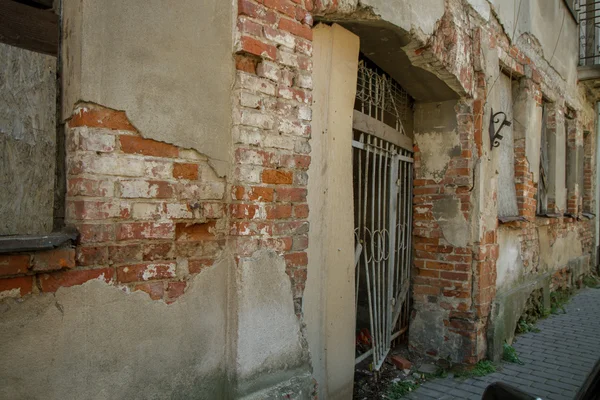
x: 21, y: 243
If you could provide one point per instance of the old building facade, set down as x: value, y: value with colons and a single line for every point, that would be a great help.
x: 217, y: 199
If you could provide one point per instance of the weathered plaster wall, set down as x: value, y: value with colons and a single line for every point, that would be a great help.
x: 436, y: 134
x: 96, y: 341
x: 550, y: 24
x: 152, y: 60
x: 154, y: 217
x: 411, y: 17
x: 544, y: 255
x: 270, y: 347
x: 329, y: 297
x: 504, y: 155
x: 418, y: 18
x: 556, y: 252
x: 509, y: 266
x: 27, y: 141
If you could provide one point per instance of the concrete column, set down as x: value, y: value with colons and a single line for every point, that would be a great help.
x: 329, y: 299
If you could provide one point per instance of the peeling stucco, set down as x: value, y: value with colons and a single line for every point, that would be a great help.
x: 555, y: 252
x: 437, y: 138
x: 270, y: 344
x: 150, y: 61
x: 509, y: 266
x: 95, y: 341
x: 449, y: 216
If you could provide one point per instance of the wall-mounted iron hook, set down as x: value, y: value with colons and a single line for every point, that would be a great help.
x: 495, y: 136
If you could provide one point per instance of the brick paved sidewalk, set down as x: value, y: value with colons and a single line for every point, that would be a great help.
x: 557, y: 359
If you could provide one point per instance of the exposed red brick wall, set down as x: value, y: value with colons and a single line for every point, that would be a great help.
x: 272, y: 128
x: 443, y: 274
x: 574, y: 140
x: 462, y: 282
x: 149, y: 214
x: 589, y: 172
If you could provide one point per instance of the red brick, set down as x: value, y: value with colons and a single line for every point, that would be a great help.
x: 303, y: 16
x: 255, y: 157
x: 425, y: 290
x: 456, y: 293
x: 14, y: 264
x: 145, y: 272
x: 295, y: 161
x: 258, y: 193
x: 100, y: 117
x: 195, y: 232
x: 94, y: 255
x: 154, y: 289
x: 245, y: 25
x: 300, y: 242
x: 439, y: 265
x: 53, y: 260
x: 147, y: 147
x: 242, y: 211
x: 299, y: 95
x: 277, y: 244
x: 96, y: 233
x: 454, y: 276
x: 304, y: 63
x: 23, y: 284
x: 283, y: 6
x: 237, y: 192
x: 245, y: 228
x: 290, y: 228
x: 125, y: 253
x: 301, y: 211
x: 145, y: 230
x: 158, y: 251
x: 247, y: 7
x: 296, y: 259
x: 293, y: 195
x: 300, y: 274
x: 279, y: 211
x: 296, y: 28
x: 429, y: 273
x: 93, y: 210
x: 400, y: 362
x: 136, y: 188
x: 88, y: 187
x: 51, y: 282
x: 185, y: 171
x: 174, y: 290
x: 257, y: 47
x: 196, y: 266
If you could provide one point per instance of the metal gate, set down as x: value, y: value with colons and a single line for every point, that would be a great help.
x: 383, y: 174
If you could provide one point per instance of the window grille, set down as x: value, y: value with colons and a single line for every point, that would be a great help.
x: 381, y: 97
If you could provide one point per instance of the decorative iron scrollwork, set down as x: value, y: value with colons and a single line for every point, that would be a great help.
x: 495, y: 136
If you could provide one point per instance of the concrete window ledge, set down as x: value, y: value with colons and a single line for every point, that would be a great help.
x: 588, y: 72
x: 21, y: 243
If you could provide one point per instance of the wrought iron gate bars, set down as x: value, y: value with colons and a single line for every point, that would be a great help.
x: 383, y: 239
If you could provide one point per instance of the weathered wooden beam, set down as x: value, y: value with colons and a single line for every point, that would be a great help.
x: 29, y: 27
